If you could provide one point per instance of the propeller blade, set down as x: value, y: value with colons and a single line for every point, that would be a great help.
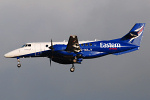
x: 50, y: 61
x: 51, y: 47
x: 51, y: 42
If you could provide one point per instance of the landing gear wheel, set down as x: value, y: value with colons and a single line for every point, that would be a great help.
x: 72, y: 69
x: 19, y: 65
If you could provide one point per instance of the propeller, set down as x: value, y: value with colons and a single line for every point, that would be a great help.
x: 50, y: 60
x: 51, y: 47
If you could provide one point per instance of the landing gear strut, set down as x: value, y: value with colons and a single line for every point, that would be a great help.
x: 19, y: 64
x: 72, y: 69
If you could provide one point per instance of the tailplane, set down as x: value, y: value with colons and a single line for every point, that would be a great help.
x: 135, y: 34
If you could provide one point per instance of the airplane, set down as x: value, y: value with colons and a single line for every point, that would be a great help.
x: 74, y: 51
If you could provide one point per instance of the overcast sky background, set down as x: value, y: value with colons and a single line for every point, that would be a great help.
x: 125, y: 77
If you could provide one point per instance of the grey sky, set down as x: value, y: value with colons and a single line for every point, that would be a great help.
x: 124, y: 77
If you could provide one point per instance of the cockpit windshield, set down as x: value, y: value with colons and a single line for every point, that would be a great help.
x: 23, y: 45
x: 26, y: 45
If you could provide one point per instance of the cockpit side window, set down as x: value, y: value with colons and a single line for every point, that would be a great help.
x: 29, y: 45
x: 26, y: 45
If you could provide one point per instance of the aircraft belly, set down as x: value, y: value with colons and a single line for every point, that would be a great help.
x: 61, y: 60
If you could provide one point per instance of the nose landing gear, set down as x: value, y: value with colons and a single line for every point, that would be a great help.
x: 72, y: 69
x: 19, y: 64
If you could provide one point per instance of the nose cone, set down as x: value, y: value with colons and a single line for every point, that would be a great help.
x: 12, y: 54
x: 8, y: 55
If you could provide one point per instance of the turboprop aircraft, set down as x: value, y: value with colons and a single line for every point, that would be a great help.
x: 73, y: 52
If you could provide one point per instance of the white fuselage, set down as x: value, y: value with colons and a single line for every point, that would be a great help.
x: 34, y: 48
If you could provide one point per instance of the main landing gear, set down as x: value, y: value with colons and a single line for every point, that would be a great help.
x: 72, y: 69
x: 19, y: 64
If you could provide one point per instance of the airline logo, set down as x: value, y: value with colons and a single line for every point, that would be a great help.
x: 139, y: 32
x: 110, y: 45
x: 139, y: 29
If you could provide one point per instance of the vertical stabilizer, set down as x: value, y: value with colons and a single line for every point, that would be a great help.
x: 135, y: 34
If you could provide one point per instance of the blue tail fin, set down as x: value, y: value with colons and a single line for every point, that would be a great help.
x: 135, y: 34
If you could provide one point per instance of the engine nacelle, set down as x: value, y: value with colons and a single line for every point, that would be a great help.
x: 65, y: 57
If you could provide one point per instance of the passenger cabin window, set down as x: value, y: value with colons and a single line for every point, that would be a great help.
x: 46, y: 45
x: 90, y: 44
x: 82, y: 44
x: 86, y: 44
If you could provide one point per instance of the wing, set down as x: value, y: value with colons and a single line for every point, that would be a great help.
x: 73, y: 45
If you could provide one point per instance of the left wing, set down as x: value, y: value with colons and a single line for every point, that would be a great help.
x: 73, y: 44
